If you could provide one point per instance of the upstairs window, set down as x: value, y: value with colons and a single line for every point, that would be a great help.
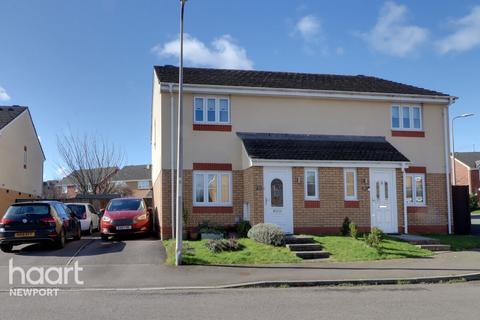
x: 406, y: 118
x: 143, y: 184
x: 211, y: 110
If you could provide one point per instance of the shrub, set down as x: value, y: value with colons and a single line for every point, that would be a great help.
x: 374, y: 238
x: 353, y: 230
x: 345, y: 229
x: 473, y: 203
x: 242, y: 229
x: 222, y: 245
x: 267, y: 233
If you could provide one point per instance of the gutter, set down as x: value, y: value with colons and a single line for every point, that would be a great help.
x: 446, y: 131
x: 405, y: 209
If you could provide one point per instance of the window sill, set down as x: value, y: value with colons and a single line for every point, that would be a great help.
x: 409, y: 134
x: 212, y: 209
x: 351, y: 204
x: 416, y: 209
x: 311, y: 203
x: 212, y: 127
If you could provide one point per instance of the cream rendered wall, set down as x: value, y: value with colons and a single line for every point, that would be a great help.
x: 303, y: 115
x: 156, y: 134
x: 17, y: 134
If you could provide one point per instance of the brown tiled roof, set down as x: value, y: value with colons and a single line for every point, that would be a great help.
x: 289, y: 80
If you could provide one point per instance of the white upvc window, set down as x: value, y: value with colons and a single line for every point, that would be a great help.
x: 407, y: 118
x: 211, y: 110
x: 64, y: 189
x: 311, y: 184
x: 143, y: 184
x: 415, y: 189
x: 212, y: 188
x: 350, y: 182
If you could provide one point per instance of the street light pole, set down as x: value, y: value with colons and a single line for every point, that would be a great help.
x: 454, y: 174
x: 179, y: 204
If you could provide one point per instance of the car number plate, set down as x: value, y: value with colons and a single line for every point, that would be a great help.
x: 24, y: 234
x: 124, y: 227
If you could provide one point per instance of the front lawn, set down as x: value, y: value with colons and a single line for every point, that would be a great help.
x: 252, y: 252
x: 475, y: 213
x: 342, y: 249
x: 457, y: 242
x: 346, y: 249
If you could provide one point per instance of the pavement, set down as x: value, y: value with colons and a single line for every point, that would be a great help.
x: 139, y: 264
x: 398, y: 302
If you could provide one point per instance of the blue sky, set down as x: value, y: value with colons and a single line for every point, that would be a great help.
x: 87, y: 64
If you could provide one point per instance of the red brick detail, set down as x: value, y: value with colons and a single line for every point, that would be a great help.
x: 212, y: 127
x: 417, y: 209
x: 428, y: 229
x: 410, y: 134
x: 213, y: 166
x: 324, y: 230
x: 351, y: 204
x: 212, y: 209
x: 311, y: 203
x: 416, y: 170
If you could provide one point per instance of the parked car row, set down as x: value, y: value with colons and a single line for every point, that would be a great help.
x: 54, y: 222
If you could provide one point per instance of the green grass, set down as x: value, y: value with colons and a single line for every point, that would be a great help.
x: 342, y: 249
x: 346, y: 249
x: 475, y: 213
x: 457, y: 242
x: 252, y: 252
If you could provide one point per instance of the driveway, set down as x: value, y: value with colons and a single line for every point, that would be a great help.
x: 118, y: 263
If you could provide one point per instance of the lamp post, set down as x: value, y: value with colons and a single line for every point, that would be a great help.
x: 179, y: 203
x: 465, y: 115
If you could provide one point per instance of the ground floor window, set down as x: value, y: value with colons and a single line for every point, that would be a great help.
x: 350, y: 181
x: 212, y: 188
x: 311, y: 184
x: 415, y: 193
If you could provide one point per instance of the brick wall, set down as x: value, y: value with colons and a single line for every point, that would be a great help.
x: 253, y: 193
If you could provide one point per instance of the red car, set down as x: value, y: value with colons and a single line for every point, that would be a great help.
x: 125, y: 216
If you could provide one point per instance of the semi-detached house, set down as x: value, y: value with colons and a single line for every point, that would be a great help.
x: 302, y: 151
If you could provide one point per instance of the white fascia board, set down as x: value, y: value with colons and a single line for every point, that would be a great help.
x: 325, y: 94
x: 325, y: 164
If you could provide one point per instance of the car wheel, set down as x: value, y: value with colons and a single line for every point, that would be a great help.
x: 62, y: 239
x: 78, y: 235
x: 6, y: 247
x: 104, y: 237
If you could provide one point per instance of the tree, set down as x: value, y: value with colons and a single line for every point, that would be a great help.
x: 90, y: 162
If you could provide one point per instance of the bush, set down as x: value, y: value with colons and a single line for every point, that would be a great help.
x: 242, y: 229
x: 374, y: 238
x: 267, y: 233
x: 473, y: 203
x: 222, y: 245
x: 353, y: 230
x: 345, y: 229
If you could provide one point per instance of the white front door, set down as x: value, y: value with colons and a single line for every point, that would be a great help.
x: 278, y: 197
x: 383, y: 200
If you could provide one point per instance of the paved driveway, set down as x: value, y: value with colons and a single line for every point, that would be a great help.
x: 123, y: 262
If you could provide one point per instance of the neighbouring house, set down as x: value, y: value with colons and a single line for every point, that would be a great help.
x: 302, y: 151
x: 50, y: 190
x: 68, y: 187
x: 135, y: 180
x: 21, y: 157
x: 467, y: 166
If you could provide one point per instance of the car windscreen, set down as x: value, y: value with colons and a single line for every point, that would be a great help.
x: 18, y: 211
x: 124, y: 205
x: 77, y: 209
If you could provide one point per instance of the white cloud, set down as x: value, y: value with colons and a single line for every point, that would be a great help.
x: 308, y: 27
x: 3, y: 94
x: 392, y: 35
x: 223, y: 53
x: 466, y: 36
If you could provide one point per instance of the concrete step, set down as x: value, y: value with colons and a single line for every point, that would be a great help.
x: 299, y: 240
x: 425, y: 242
x: 312, y: 254
x: 416, y: 240
x: 304, y: 247
x: 435, y: 247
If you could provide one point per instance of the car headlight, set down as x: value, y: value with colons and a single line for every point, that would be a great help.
x: 2, y: 229
x: 106, y: 219
x: 142, y: 217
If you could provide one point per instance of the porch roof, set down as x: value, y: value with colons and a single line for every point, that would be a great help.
x: 278, y: 146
